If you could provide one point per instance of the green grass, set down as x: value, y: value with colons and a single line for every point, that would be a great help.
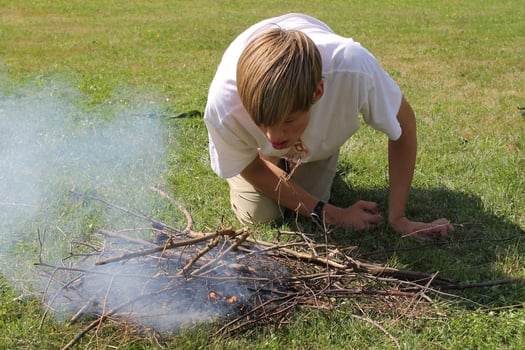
x: 460, y: 65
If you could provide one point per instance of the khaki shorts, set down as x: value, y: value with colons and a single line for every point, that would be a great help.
x: 251, y: 206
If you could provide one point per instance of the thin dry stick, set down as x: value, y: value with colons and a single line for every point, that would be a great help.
x: 286, y: 179
x: 412, y: 305
x: 355, y: 265
x: 301, y: 256
x: 149, y: 277
x: 237, y: 243
x: 378, y: 326
x: 422, y: 230
x: 208, y: 247
x: 186, y: 213
x: 96, y: 322
x: 87, y: 329
x: 156, y: 223
x: 106, y: 296
x: 48, y: 306
x: 105, y: 315
x: 80, y: 312
x: 418, y: 286
x: 252, y: 311
x: 77, y: 269
x: 169, y: 245
x: 112, y: 234
x: 435, y: 244
x: 468, y: 285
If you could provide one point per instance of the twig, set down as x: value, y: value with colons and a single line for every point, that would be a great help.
x: 299, y: 255
x: 148, y: 277
x: 156, y: 223
x: 80, y: 312
x: 139, y: 241
x: 378, y: 326
x: 107, y: 314
x: 237, y: 242
x: 469, y: 285
x: 435, y: 244
x: 253, y: 311
x: 414, y: 233
x: 97, y: 322
x: 169, y: 245
x: 208, y: 247
x: 186, y: 213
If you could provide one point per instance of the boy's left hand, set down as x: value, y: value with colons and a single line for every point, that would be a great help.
x: 439, y: 228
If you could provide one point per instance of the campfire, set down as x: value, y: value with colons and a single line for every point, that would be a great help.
x: 180, y: 278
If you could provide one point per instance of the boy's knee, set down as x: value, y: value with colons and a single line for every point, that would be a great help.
x: 251, y: 206
x: 260, y: 213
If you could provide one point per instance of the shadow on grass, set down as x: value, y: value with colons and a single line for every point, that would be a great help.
x: 483, y: 247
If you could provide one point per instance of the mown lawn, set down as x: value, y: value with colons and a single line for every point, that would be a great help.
x: 81, y: 87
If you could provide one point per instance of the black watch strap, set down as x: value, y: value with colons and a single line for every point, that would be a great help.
x: 317, y: 213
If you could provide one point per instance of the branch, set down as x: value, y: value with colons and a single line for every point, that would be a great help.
x: 155, y: 223
x: 126, y: 238
x: 186, y: 213
x: 169, y: 245
x: 237, y: 242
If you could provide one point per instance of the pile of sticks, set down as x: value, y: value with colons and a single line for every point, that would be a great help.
x: 182, y: 277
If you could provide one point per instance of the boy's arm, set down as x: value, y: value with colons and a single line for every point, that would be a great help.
x: 270, y: 180
x: 401, y: 161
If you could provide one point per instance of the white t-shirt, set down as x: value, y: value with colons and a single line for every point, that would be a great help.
x: 354, y: 84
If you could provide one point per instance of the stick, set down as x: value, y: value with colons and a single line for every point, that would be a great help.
x: 97, y: 322
x: 80, y: 312
x: 435, y: 244
x: 468, y: 285
x: 411, y: 234
x: 237, y: 242
x: 209, y: 247
x: 378, y: 326
x: 252, y: 311
x: 169, y: 245
x: 140, y: 216
x: 105, y: 315
x: 126, y: 238
x: 186, y: 213
x: 359, y: 266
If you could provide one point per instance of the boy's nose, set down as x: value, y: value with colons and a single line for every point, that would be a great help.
x: 274, y: 134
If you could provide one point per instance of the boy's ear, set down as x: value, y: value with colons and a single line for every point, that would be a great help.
x: 319, y: 91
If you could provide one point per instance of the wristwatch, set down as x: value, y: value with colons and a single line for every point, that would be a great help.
x: 317, y: 213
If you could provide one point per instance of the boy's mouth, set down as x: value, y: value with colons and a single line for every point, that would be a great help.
x: 280, y: 145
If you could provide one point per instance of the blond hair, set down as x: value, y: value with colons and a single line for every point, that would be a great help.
x: 277, y: 74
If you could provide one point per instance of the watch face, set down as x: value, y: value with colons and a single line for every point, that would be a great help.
x: 317, y: 212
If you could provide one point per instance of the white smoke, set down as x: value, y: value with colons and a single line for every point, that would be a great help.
x: 51, y: 142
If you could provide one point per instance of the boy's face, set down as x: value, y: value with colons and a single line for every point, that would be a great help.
x: 288, y: 132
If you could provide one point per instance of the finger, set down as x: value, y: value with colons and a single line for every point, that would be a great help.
x: 442, y: 227
x: 375, y: 219
x: 369, y: 206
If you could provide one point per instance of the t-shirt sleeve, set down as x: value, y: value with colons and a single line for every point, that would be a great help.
x: 380, y: 97
x: 230, y: 152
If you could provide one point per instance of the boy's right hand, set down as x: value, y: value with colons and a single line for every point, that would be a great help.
x: 360, y: 216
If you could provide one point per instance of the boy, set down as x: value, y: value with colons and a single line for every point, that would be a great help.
x: 286, y: 96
